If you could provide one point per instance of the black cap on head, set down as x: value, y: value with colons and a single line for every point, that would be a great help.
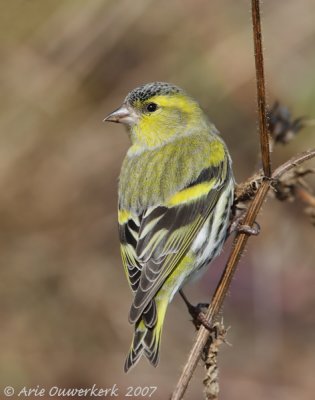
x: 149, y: 90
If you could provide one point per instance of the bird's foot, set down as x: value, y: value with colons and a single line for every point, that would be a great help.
x: 238, y: 226
x: 197, y: 312
x: 199, y: 316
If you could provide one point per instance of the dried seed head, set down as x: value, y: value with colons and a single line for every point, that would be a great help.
x: 281, y: 126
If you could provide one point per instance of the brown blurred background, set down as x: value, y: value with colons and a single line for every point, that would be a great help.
x: 64, y: 299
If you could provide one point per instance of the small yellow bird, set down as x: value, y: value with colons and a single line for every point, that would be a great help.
x: 175, y: 194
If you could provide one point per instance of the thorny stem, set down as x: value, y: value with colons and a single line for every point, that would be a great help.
x: 261, y: 95
x: 241, y: 238
x: 293, y: 162
x: 219, y: 295
x: 238, y: 247
x: 253, y: 210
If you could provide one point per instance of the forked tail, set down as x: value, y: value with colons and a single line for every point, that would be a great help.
x: 147, y: 336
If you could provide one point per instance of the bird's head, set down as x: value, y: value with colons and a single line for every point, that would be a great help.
x: 156, y: 113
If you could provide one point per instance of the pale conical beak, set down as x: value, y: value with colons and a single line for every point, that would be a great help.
x: 123, y: 114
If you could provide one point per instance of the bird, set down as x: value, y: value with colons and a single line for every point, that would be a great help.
x: 175, y: 193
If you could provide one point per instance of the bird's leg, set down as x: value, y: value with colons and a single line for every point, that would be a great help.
x: 238, y: 226
x: 198, y: 316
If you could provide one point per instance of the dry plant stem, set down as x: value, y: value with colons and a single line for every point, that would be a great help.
x: 246, y: 191
x: 261, y: 96
x: 241, y: 238
x: 293, y: 162
x: 211, y: 380
x: 217, y: 300
x: 253, y: 210
x: 238, y: 247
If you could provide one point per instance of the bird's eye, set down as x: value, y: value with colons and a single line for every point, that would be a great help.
x: 151, y: 107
